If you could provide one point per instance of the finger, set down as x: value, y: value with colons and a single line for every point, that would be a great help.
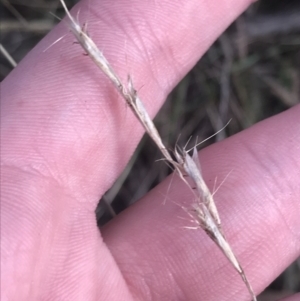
x: 259, y: 206
x: 64, y: 120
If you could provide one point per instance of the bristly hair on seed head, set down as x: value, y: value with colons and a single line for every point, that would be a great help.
x: 204, y: 211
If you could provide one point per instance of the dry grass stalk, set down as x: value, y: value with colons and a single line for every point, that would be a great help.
x: 204, y: 211
x: 8, y: 56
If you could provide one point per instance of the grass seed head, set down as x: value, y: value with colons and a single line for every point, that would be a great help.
x: 204, y: 211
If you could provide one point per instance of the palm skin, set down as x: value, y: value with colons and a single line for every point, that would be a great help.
x: 64, y: 137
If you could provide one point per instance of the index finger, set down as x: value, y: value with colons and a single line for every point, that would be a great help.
x: 67, y: 116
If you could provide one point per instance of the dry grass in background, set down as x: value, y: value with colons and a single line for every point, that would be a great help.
x: 249, y: 74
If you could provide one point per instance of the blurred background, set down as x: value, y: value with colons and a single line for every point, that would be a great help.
x: 250, y: 73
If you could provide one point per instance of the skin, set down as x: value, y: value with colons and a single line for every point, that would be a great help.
x: 66, y: 136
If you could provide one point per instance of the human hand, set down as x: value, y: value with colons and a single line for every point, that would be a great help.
x: 65, y: 140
